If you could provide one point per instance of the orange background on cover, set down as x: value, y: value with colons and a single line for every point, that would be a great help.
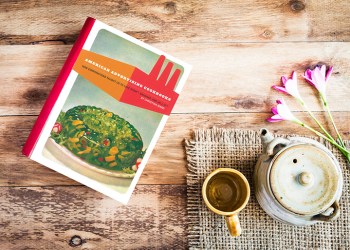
x: 112, y: 88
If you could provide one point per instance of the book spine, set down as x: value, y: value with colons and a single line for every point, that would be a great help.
x: 57, y: 88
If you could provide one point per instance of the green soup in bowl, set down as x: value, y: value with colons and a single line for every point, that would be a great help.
x: 99, y: 137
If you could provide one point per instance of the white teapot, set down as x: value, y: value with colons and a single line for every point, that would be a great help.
x: 297, y: 180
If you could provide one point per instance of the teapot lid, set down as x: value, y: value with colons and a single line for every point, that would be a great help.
x: 305, y: 179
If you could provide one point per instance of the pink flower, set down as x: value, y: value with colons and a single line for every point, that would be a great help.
x: 290, y: 86
x: 318, y: 77
x: 282, y: 113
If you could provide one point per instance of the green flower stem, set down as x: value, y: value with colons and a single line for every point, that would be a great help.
x: 346, y: 154
x: 324, y: 101
x: 318, y: 123
x: 342, y: 149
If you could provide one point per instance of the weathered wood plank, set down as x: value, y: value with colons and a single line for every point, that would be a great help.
x: 36, y: 22
x: 60, y: 217
x: 168, y: 158
x: 225, y: 77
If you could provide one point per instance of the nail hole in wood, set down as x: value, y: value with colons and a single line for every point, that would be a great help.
x: 170, y: 7
x: 297, y: 5
x: 75, y: 241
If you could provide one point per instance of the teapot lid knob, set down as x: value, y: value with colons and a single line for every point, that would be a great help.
x: 306, y: 179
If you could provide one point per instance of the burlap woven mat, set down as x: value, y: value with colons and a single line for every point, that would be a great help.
x: 239, y: 149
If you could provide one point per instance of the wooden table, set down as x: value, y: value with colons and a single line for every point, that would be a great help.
x: 238, y: 49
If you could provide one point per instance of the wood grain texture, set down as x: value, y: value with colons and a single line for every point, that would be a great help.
x: 225, y: 77
x: 238, y: 49
x: 65, y: 217
x: 40, y: 22
x: 167, y: 164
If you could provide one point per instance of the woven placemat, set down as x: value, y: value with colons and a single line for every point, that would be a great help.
x: 239, y: 149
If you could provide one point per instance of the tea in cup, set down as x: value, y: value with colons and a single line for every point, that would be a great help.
x: 226, y: 192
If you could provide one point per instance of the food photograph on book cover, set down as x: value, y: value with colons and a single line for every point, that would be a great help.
x: 112, y: 111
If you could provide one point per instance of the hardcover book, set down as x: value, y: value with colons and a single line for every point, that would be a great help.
x: 106, y: 110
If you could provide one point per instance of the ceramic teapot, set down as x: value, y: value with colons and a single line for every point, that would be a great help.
x: 297, y: 180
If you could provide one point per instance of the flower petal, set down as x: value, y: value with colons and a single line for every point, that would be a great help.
x: 309, y: 81
x: 280, y: 101
x: 281, y: 89
x: 284, y: 79
x: 275, y: 118
x: 308, y: 77
x: 329, y: 72
x: 274, y: 110
x: 291, y: 87
x: 308, y: 73
x: 319, y: 80
x: 323, y: 71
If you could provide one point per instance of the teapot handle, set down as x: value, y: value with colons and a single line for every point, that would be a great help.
x: 271, y: 146
x: 332, y: 216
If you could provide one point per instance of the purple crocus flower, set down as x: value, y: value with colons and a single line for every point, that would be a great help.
x: 282, y: 113
x: 318, y: 78
x: 290, y: 86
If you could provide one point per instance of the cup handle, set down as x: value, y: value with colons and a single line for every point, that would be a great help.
x: 233, y: 225
x: 334, y: 215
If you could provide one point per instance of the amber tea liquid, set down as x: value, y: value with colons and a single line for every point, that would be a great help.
x: 226, y: 192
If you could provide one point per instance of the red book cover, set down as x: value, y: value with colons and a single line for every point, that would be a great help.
x: 106, y: 110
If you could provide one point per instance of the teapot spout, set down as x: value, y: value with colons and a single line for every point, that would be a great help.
x: 266, y: 138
